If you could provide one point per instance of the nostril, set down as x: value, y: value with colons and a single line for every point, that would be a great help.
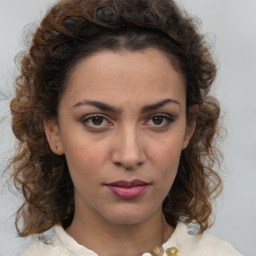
x: 118, y: 164
x: 128, y: 166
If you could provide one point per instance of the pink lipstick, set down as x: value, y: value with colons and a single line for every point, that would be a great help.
x: 127, y: 189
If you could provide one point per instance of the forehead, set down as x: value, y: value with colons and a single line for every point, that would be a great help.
x: 139, y: 75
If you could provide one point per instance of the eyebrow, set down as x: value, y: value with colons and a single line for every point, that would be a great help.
x: 97, y: 104
x: 105, y: 107
x: 157, y: 105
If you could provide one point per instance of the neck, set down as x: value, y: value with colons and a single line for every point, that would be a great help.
x: 110, y: 239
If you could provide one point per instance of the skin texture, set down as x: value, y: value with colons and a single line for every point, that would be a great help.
x: 129, y: 141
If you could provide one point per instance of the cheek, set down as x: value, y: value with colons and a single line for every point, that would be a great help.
x: 167, y: 151
x: 84, y: 158
x: 165, y: 157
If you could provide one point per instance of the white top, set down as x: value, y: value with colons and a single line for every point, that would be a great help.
x: 62, y: 244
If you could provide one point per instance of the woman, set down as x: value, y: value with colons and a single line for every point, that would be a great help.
x: 117, y: 132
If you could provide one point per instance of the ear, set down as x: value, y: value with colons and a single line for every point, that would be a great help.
x: 191, y: 123
x: 52, y: 133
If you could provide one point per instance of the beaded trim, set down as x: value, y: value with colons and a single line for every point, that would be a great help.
x: 159, y: 251
x: 172, y: 251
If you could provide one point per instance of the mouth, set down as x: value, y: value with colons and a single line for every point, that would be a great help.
x: 127, y: 189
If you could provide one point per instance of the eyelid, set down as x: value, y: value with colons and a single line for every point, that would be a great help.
x: 161, y: 115
x: 169, y: 118
x: 90, y: 116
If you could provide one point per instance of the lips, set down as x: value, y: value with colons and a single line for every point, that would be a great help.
x: 127, y: 189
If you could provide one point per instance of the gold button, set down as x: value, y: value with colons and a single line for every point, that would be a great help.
x: 172, y: 251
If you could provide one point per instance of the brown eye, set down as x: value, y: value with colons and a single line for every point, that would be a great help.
x: 160, y: 121
x: 97, y: 120
x: 157, y: 120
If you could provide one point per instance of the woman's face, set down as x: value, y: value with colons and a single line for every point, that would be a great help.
x: 122, y: 127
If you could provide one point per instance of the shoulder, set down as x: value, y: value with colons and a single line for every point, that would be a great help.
x: 49, y: 245
x: 211, y: 245
x: 39, y: 249
x: 201, y: 244
x: 57, y: 242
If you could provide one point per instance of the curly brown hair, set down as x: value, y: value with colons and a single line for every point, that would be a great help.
x: 72, y: 30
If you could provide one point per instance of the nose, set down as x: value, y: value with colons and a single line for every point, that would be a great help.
x: 128, y: 151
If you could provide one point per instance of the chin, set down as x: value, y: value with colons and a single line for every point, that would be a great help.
x: 128, y: 216
x: 126, y: 220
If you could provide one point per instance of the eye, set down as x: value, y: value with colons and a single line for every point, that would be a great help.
x: 160, y: 121
x: 96, y: 122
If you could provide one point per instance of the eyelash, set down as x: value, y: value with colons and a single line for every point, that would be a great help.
x: 166, y: 118
x: 89, y: 118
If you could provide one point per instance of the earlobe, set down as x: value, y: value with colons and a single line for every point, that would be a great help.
x: 191, y: 124
x: 52, y: 133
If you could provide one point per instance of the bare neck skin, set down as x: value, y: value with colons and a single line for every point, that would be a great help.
x: 108, y: 239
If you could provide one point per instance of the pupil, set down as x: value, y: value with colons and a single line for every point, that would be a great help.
x: 97, y: 120
x: 157, y: 120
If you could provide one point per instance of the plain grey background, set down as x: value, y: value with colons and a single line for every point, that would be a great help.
x: 231, y: 27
